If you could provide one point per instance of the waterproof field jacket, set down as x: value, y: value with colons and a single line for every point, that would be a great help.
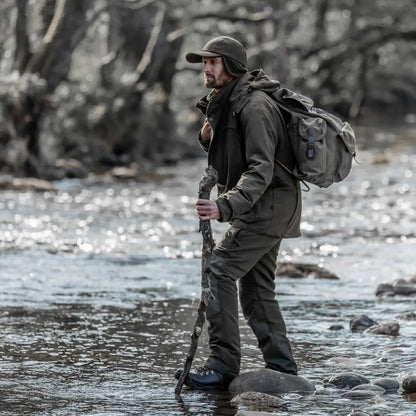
x: 247, y: 135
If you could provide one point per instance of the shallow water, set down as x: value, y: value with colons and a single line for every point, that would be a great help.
x: 99, y: 285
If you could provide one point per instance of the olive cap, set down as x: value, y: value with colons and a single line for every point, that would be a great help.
x: 220, y: 46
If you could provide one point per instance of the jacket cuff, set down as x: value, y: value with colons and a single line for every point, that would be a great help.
x: 225, y: 209
x: 203, y: 144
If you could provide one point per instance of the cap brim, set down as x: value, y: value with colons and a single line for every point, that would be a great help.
x: 196, y: 57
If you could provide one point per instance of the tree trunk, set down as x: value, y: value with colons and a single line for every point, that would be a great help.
x: 320, y: 25
x: 22, y: 51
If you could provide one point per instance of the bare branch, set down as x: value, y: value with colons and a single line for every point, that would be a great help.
x: 57, y: 17
x: 37, y: 60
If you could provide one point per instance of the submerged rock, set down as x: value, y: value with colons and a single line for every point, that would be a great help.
x: 347, y: 379
x: 357, y: 412
x: 303, y: 270
x: 409, y: 384
x: 346, y: 362
x: 251, y: 413
x: 359, y: 394
x: 270, y: 381
x: 361, y: 322
x: 386, y: 328
x: 388, y: 384
x: 257, y: 399
x: 407, y: 316
x: 369, y: 387
x: 336, y: 327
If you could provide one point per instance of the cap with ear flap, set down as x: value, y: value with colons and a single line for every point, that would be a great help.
x: 220, y: 46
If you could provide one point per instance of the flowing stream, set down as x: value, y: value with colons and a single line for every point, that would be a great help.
x: 99, y: 283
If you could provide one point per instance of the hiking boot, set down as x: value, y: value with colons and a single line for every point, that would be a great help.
x: 206, y: 379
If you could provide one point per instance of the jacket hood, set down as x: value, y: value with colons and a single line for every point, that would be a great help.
x: 254, y: 80
x: 260, y: 81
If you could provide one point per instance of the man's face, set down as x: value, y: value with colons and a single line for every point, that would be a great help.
x: 215, y: 74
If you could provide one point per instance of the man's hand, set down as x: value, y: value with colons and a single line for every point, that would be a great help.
x: 207, y: 210
x: 206, y: 131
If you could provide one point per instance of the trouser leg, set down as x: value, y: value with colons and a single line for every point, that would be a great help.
x: 233, y: 258
x: 262, y: 311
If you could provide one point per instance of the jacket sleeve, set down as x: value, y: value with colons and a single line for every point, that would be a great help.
x: 258, y: 121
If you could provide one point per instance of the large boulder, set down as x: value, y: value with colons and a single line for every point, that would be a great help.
x: 270, y: 381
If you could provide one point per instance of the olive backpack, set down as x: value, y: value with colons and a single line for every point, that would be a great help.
x: 323, y: 145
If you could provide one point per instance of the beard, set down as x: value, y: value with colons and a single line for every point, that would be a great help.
x: 210, y: 81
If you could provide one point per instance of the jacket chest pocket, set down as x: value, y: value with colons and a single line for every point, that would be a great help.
x: 233, y: 122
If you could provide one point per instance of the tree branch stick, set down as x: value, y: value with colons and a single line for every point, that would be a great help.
x: 205, y: 185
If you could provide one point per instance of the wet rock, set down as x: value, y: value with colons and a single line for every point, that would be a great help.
x: 409, y: 384
x: 124, y: 173
x: 67, y: 168
x: 347, y: 379
x: 303, y: 270
x: 359, y: 394
x: 381, y: 158
x: 257, y: 399
x: 361, y: 322
x: 270, y: 381
x: 26, y: 184
x: 404, y: 288
x: 384, y: 290
x: 407, y: 316
x: 371, y: 387
x: 251, y: 413
x: 336, y: 327
x: 388, y: 384
x: 386, y: 328
x: 399, y: 287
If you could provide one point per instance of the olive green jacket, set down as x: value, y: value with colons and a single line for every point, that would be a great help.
x: 255, y: 193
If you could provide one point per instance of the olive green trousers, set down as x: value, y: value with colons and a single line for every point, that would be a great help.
x: 250, y: 259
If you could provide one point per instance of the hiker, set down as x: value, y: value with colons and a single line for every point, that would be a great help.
x: 242, y: 134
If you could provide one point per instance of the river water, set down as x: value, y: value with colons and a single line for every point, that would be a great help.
x: 99, y: 284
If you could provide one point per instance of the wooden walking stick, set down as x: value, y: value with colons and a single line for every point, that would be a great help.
x: 206, y: 183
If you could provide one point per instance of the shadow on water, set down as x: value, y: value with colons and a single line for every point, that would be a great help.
x: 99, y: 288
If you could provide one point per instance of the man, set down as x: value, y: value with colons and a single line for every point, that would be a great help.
x: 243, y: 133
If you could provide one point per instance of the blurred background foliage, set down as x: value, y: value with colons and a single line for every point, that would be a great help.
x: 89, y: 85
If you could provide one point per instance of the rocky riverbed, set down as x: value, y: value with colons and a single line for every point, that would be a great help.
x: 99, y: 282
